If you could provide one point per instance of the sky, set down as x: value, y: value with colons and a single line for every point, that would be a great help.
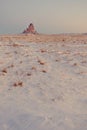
x: 48, y: 16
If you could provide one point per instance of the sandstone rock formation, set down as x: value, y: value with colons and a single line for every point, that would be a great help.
x: 30, y: 29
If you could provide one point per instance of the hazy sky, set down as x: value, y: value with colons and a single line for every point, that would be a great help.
x: 48, y: 16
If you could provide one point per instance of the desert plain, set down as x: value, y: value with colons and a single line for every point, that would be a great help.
x: 43, y: 82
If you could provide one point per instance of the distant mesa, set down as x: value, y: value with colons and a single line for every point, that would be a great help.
x: 30, y: 29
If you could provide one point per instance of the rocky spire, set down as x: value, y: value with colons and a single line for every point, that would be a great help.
x: 30, y: 29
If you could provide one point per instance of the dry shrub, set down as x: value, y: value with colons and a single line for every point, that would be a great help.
x: 15, y: 45
x: 4, y: 70
x: 41, y: 62
x: 18, y: 84
x: 85, y: 42
x: 84, y: 62
x: 75, y: 64
x: 15, y: 84
x: 43, y: 50
x: 63, y: 40
x: 29, y: 74
x: 33, y: 68
x: 11, y: 66
x: 21, y: 62
x: 44, y: 71
x: 57, y: 60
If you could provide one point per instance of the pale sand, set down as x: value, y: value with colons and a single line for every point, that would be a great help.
x: 43, y: 86
x: 39, y: 38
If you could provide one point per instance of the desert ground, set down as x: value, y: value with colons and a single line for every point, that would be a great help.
x: 43, y: 82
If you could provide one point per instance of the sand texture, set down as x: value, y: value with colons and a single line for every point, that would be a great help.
x: 43, y: 82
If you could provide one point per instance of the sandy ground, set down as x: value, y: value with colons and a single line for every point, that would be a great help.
x: 41, y: 38
x: 43, y: 82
